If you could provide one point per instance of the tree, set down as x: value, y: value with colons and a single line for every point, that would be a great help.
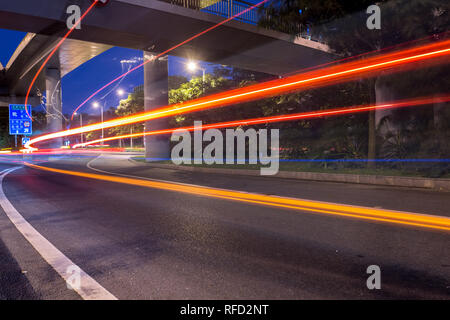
x: 342, y: 25
x: 220, y: 80
x: 39, y: 121
x: 315, y: 138
x: 93, y: 135
x: 176, y: 81
x: 133, y: 104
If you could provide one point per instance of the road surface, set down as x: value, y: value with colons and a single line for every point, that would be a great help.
x: 141, y: 242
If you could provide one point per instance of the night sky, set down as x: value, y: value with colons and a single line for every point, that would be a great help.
x: 82, y: 82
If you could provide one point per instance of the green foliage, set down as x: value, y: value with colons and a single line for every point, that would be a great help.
x: 176, y: 81
x: 133, y: 104
x: 419, y: 133
x: 220, y: 80
x: 339, y: 137
x: 93, y: 135
x: 196, y: 88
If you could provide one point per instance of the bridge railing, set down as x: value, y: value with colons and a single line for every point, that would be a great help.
x: 224, y: 8
x: 229, y: 8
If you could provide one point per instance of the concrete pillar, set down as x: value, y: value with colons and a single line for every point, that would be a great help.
x: 438, y: 116
x: 54, y: 103
x: 384, y: 93
x: 156, y: 84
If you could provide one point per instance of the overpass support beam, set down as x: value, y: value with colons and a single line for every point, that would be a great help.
x: 156, y: 84
x: 53, y: 102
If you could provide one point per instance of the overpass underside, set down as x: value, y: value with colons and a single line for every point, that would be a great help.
x: 156, y: 26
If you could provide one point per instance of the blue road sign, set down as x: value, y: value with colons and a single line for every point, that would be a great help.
x: 25, y: 140
x: 19, y: 121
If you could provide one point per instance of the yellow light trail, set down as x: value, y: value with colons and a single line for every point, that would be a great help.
x: 371, y: 214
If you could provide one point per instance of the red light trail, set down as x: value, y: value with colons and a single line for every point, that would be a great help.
x: 53, y: 52
x: 165, y: 52
x: 317, y: 78
x: 443, y: 35
x: 282, y: 118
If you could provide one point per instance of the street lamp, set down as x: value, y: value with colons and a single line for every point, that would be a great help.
x: 96, y: 105
x: 192, y: 66
x: 120, y: 92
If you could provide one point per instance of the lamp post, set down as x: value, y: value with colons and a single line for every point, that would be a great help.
x: 131, y: 137
x: 193, y: 66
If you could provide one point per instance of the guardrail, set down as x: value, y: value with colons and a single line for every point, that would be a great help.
x: 224, y: 8
x: 229, y: 8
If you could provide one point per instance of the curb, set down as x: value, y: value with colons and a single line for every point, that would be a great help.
x: 395, y: 181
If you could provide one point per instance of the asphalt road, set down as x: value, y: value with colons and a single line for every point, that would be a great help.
x: 146, y: 243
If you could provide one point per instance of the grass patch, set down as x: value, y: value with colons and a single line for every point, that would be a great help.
x: 308, y: 167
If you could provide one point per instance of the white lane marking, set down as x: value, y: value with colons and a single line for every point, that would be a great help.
x: 158, y: 180
x: 5, y: 170
x: 89, y: 288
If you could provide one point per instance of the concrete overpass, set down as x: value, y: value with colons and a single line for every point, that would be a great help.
x: 28, y: 58
x: 152, y: 25
x: 148, y: 25
x: 30, y: 54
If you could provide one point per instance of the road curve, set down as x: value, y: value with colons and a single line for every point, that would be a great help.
x: 148, y: 243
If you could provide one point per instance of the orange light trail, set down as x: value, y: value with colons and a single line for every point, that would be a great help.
x: 333, y: 209
x: 164, y: 53
x: 53, y: 52
x: 281, y: 118
x: 443, y: 35
x: 327, y: 76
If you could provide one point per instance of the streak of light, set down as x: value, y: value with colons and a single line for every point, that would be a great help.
x: 53, y: 52
x: 334, y: 209
x: 415, y: 42
x: 166, y: 52
x: 288, y: 117
x: 323, y: 77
